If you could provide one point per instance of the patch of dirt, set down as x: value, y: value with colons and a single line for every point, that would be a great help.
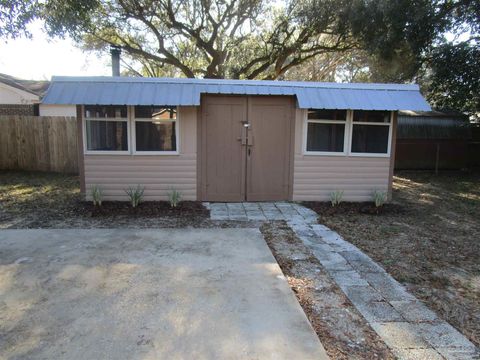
x: 427, y: 239
x: 343, y: 332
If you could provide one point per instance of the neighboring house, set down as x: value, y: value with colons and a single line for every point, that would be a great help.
x: 432, y: 140
x: 235, y: 140
x: 23, y: 97
x: 20, y: 97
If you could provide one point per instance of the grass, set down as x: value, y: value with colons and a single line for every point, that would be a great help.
x: 26, y: 195
x: 432, y: 247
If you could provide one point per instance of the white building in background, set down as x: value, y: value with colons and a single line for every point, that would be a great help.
x: 57, y: 110
x: 23, y: 97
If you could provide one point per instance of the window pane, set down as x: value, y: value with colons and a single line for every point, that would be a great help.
x: 371, y: 116
x: 107, y: 135
x: 155, y: 112
x: 151, y: 136
x: 99, y: 111
x: 325, y: 137
x: 370, y: 139
x: 323, y: 114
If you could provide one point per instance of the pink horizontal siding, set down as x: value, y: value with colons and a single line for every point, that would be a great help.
x: 317, y: 176
x: 159, y: 174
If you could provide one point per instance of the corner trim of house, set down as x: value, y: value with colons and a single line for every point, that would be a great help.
x: 81, y: 164
x: 393, y: 144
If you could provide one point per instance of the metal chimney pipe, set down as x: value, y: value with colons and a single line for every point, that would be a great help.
x: 115, y: 51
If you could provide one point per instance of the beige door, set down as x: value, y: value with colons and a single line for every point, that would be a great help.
x: 246, y: 148
x: 223, y: 155
x: 269, y: 154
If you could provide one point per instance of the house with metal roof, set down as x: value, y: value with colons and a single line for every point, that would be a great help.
x: 235, y: 140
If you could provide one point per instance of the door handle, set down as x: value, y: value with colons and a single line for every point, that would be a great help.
x: 243, y: 138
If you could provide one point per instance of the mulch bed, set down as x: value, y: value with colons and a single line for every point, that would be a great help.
x: 146, y: 208
x: 326, y: 208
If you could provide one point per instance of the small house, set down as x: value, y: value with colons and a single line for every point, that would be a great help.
x: 235, y: 140
x: 23, y: 97
x: 20, y: 97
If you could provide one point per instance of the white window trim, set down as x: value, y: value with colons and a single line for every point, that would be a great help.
x: 134, y: 139
x: 389, y: 143
x: 348, y: 136
x: 319, y: 121
x: 104, y: 152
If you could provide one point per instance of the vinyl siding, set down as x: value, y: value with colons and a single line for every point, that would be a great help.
x: 316, y: 176
x: 157, y: 173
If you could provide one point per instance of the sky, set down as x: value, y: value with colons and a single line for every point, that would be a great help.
x: 40, y: 57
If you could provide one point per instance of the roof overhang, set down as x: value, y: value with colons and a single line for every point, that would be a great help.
x: 187, y: 92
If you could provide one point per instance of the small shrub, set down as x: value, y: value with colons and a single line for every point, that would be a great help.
x: 97, y: 195
x: 174, y: 197
x: 379, y: 198
x: 135, y: 194
x: 336, y: 197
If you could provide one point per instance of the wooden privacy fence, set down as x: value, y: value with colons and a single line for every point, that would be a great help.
x: 431, y: 154
x: 40, y: 143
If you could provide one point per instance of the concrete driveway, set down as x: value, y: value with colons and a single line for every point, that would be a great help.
x: 147, y: 294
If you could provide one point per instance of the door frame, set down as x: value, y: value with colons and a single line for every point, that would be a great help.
x: 201, y: 143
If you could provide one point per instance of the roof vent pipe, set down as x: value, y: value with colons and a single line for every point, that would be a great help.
x: 115, y: 51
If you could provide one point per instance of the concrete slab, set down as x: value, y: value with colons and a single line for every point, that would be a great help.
x: 378, y: 311
x: 414, y: 311
x: 400, y: 335
x: 417, y: 354
x: 455, y: 353
x: 443, y: 335
x: 147, y: 294
x: 388, y: 287
x: 348, y: 278
x: 362, y: 294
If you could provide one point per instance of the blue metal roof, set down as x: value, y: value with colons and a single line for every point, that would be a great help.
x: 164, y: 91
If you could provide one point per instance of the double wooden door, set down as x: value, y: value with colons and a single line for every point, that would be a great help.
x: 246, y: 148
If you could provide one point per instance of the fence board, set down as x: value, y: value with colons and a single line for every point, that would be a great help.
x: 40, y: 143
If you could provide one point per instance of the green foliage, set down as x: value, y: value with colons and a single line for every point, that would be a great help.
x: 15, y: 15
x: 336, y: 197
x: 454, y: 79
x: 135, y: 194
x: 232, y: 39
x: 97, y: 195
x: 174, y: 198
x: 379, y: 198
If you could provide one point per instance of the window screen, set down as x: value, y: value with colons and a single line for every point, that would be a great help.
x: 325, y: 137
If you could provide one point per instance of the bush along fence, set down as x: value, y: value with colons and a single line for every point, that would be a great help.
x: 38, y: 143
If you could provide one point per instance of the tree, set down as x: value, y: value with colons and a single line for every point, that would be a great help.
x: 15, y: 15
x: 207, y: 38
x: 228, y: 38
x: 453, y: 78
x: 353, y: 40
x: 233, y: 38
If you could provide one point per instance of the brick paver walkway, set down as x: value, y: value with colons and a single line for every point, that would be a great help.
x: 260, y: 211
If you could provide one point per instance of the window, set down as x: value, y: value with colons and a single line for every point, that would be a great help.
x: 155, y: 129
x: 325, y: 131
x: 371, y: 132
x: 106, y: 128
